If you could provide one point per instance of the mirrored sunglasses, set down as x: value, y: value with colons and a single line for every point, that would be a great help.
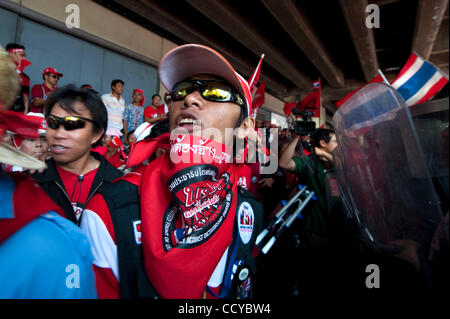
x: 68, y: 122
x: 211, y: 90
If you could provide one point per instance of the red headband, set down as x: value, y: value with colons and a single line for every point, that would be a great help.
x: 16, y: 50
x: 143, y: 97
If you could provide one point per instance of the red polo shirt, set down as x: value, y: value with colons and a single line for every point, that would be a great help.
x: 39, y: 91
x: 150, y: 112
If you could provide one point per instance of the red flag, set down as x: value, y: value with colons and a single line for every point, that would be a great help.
x: 378, y: 78
x: 259, y: 97
x: 255, y: 76
x: 312, y: 100
x: 288, y: 107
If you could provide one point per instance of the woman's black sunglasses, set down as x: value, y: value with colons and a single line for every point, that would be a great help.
x: 211, y: 90
x: 69, y: 122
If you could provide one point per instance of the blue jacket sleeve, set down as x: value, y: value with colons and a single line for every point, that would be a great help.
x: 48, y: 258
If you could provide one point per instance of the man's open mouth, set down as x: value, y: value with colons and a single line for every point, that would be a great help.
x: 188, y: 122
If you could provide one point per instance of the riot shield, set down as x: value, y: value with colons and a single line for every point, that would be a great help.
x: 384, y: 181
x: 431, y: 122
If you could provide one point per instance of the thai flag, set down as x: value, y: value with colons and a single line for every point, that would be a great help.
x: 316, y: 84
x: 418, y: 81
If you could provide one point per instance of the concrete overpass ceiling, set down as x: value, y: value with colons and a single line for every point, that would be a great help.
x: 329, y: 23
x: 302, y: 40
x: 394, y: 37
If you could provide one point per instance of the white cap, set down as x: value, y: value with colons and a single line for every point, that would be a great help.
x: 189, y: 59
x: 142, y: 131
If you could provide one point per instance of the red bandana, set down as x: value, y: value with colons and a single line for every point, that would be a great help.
x: 24, y: 63
x: 143, y: 97
x: 117, y: 142
x: 188, y: 212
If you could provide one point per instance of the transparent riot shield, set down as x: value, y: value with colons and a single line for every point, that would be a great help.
x: 383, y: 178
x: 431, y: 122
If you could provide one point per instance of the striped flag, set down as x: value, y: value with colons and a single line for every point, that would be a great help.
x: 316, y: 84
x: 419, y: 80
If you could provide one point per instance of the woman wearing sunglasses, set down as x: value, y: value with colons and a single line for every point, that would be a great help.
x: 76, y: 120
x: 190, y: 230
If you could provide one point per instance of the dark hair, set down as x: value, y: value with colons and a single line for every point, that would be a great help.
x: 66, y: 96
x: 159, y: 128
x: 114, y: 82
x: 43, y: 75
x: 242, y: 117
x: 88, y: 87
x: 11, y: 46
x: 321, y: 134
x: 155, y: 95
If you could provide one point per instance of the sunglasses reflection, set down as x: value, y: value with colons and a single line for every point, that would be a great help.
x: 68, y: 122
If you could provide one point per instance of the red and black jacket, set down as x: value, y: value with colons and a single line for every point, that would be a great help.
x: 51, y: 183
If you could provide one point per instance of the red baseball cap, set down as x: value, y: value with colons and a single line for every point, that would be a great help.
x: 52, y: 71
x: 189, y: 59
x: 36, y: 118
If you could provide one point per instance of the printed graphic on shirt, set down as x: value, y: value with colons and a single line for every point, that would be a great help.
x: 203, y: 203
x: 244, y: 289
x: 246, y: 219
x: 137, y: 227
x: 78, y: 209
x: 242, y: 182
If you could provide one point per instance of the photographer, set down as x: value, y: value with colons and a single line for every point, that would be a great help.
x: 316, y: 253
x: 311, y: 170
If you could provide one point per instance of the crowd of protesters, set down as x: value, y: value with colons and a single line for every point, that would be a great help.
x: 113, y: 203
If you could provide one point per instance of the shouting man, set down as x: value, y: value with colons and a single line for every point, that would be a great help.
x: 182, y: 228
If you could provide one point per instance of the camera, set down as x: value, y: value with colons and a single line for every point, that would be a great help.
x: 305, y: 126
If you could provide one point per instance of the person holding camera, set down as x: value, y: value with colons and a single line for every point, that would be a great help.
x: 311, y: 170
x: 316, y: 252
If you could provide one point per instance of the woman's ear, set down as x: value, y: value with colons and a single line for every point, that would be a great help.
x: 247, y: 128
x: 97, y: 135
